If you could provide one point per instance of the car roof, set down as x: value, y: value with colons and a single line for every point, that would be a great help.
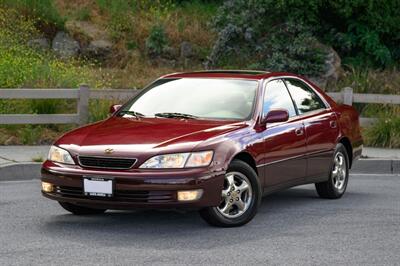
x: 242, y: 74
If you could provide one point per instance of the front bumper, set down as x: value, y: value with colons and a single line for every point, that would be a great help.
x: 134, y: 189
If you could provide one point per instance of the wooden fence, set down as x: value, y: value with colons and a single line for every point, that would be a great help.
x: 83, y: 94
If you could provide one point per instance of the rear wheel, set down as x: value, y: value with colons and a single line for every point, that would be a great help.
x: 336, y: 185
x: 240, y: 197
x: 79, y: 210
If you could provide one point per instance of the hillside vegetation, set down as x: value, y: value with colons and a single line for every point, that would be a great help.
x: 360, y: 39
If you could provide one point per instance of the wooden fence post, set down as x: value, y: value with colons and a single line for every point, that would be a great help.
x: 83, y: 104
x: 348, y: 96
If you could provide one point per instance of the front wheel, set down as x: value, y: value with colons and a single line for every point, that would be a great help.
x: 79, y: 210
x: 240, y: 197
x: 336, y: 185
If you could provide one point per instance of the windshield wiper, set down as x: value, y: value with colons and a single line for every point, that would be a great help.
x: 136, y: 114
x: 175, y: 115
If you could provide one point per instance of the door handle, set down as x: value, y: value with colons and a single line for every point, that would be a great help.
x: 333, y: 124
x: 299, y: 131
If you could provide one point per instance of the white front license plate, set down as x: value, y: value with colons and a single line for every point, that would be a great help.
x: 99, y: 187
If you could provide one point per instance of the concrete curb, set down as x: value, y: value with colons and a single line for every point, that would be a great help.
x: 27, y: 171
x: 376, y: 166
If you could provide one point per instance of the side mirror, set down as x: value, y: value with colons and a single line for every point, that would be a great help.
x: 114, y: 108
x: 275, y: 116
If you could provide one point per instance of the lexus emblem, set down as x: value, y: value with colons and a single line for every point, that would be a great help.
x: 108, y: 151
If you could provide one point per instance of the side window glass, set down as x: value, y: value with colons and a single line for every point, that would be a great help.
x: 305, y: 98
x: 277, y: 97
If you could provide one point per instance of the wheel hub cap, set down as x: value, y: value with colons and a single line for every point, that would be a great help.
x: 339, y: 172
x: 236, y: 195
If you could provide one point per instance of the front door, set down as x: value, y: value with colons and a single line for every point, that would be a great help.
x: 284, y: 143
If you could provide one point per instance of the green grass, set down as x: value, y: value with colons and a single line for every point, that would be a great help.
x: 99, y: 109
x: 22, y: 66
x: 385, y: 133
x: 83, y: 14
x: 38, y: 159
x: 44, y: 10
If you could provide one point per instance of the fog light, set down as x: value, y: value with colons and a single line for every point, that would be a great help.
x: 190, y: 195
x: 47, y: 187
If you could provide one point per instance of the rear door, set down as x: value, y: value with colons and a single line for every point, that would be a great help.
x: 285, y: 143
x: 320, y: 124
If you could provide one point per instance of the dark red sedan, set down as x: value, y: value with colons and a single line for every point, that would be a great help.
x: 216, y: 141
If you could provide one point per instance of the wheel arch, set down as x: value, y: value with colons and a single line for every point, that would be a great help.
x: 247, y: 158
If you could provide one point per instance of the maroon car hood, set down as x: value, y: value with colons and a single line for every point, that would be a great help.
x: 146, y: 133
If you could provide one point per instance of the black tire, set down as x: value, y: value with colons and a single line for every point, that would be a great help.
x: 79, y: 210
x: 328, y: 189
x: 211, y: 214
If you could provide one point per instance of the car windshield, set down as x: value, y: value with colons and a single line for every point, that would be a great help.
x: 192, y: 98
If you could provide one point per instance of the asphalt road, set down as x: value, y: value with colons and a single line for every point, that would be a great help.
x: 293, y: 227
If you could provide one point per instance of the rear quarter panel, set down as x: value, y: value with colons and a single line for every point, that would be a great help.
x: 349, y: 124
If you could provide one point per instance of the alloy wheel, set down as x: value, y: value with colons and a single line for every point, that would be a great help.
x: 339, y: 172
x: 237, y: 195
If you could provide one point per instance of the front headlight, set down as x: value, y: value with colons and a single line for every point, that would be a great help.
x: 59, y: 155
x: 179, y: 160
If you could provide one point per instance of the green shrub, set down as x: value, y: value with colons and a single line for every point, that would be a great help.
x: 385, y: 133
x: 303, y: 54
x: 363, y: 32
x: 45, y: 106
x: 30, y: 134
x: 157, y: 40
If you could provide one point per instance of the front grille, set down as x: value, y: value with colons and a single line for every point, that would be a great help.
x: 106, y: 162
x: 134, y: 196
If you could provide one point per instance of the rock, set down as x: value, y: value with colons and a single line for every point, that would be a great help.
x: 95, y: 41
x: 85, y: 31
x: 332, y: 70
x: 186, y: 49
x: 168, y: 52
x: 99, y: 49
x: 333, y: 67
x: 39, y: 44
x: 64, y: 45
